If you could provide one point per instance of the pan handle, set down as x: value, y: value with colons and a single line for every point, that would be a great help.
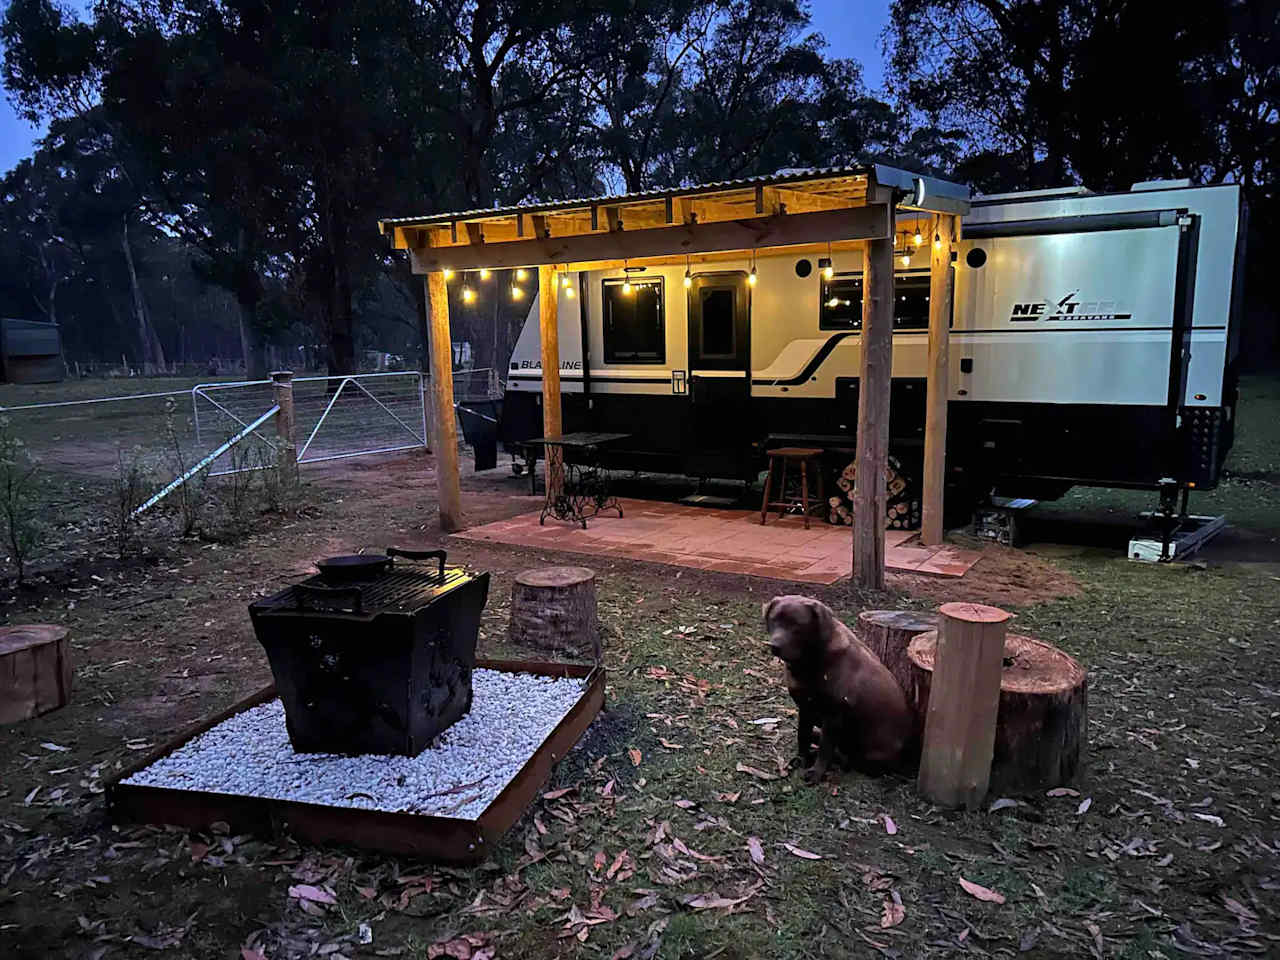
x: 419, y: 555
x: 335, y: 594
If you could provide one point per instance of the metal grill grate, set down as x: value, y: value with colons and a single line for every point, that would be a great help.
x: 399, y: 591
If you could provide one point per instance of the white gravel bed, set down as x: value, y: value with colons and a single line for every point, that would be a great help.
x: 457, y: 776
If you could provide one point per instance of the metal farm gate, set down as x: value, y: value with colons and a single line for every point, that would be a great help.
x: 334, y: 418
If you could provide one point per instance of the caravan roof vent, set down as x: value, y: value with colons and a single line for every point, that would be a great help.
x: 1160, y: 184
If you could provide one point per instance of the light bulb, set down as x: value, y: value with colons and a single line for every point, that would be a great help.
x: 751, y: 277
x: 484, y: 273
x: 516, y: 292
x: 937, y: 242
x: 564, y: 281
x: 828, y: 272
x: 568, y: 292
x: 468, y: 294
x: 906, y: 259
x: 918, y: 238
x: 448, y: 274
x: 523, y: 274
x: 626, y: 286
x: 688, y: 280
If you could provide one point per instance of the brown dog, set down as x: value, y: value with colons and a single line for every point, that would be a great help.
x: 840, y: 685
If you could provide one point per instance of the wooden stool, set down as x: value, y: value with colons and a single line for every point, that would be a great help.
x: 787, y: 454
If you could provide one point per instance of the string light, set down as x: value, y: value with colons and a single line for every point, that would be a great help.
x: 937, y: 242
x: 906, y: 259
x: 828, y: 271
x: 522, y: 274
x: 468, y: 294
x: 752, y: 277
x: 517, y: 293
x: 918, y: 238
x: 626, y: 283
x: 568, y: 291
x: 448, y: 274
x: 484, y: 273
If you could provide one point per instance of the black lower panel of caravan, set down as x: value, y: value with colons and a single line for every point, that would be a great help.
x: 1038, y: 450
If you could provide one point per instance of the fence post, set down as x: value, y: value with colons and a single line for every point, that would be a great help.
x: 286, y: 434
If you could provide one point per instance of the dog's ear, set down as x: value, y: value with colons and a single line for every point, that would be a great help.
x: 824, y: 619
x: 767, y: 608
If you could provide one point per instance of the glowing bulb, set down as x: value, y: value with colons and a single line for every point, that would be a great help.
x: 918, y: 238
x: 937, y: 242
x: 516, y: 292
x: 626, y: 286
x: 564, y: 281
x: 833, y: 302
x: 828, y: 272
x: 448, y: 274
x: 468, y: 294
x: 484, y: 273
x: 688, y: 280
x: 906, y: 259
x: 751, y: 277
x: 522, y: 274
x: 568, y: 292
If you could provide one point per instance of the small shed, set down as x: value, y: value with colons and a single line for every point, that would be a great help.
x: 30, y: 352
x: 847, y: 208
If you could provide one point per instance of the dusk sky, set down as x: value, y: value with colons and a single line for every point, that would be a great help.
x: 852, y: 29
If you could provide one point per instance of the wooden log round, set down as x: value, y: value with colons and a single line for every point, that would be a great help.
x: 1042, y: 718
x: 35, y: 670
x: 554, y: 609
x: 888, y: 633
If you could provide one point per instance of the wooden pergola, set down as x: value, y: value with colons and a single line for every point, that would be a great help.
x: 803, y: 211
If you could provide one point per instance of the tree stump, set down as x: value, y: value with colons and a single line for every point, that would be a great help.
x: 554, y: 609
x: 35, y: 670
x: 888, y: 633
x: 1041, y: 720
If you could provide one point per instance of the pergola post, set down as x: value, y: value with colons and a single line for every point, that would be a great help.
x: 874, y: 383
x: 445, y: 434
x: 549, y: 330
x: 942, y: 284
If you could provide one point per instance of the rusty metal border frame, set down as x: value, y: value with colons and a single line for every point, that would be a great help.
x: 447, y: 839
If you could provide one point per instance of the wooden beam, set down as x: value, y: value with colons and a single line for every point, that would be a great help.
x: 684, y: 206
x: 444, y: 441
x: 549, y: 331
x: 615, y: 221
x: 874, y: 383
x: 825, y: 226
x: 942, y: 285
x: 475, y: 233
x: 540, y: 231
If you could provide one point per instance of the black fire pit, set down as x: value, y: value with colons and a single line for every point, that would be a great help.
x: 381, y: 664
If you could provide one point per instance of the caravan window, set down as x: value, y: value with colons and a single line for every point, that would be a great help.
x: 634, y: 327
x: 841, y: 305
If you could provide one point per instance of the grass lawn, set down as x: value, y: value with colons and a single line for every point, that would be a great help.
x: 676, y: 829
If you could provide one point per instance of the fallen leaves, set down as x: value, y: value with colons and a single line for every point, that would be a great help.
x: 892, y: 911
x: 1062, y: 792
x: 980, y: 892
x: 758, y: 774
x: 890, y: 827
x: 1085, y: 804
x: 635, y: 756
x: 802, y: 854
x: 756, y: 850
x: 713, y: 901
x: 466, y: 947
x: 1004, y: 803
x: 313, y: 894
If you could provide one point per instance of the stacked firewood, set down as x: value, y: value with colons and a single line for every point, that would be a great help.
x: 903, y: 509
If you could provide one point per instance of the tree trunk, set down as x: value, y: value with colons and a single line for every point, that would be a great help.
x: 888, y: 633
x: 255, y: 361
x: 152, y: 350
x: 554, y: 609
x: 35, y: 670
x: 1041, y: 725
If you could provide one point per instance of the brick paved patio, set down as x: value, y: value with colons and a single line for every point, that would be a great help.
x: 727, y: 541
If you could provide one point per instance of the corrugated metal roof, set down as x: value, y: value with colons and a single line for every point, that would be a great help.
x: 772, y: 180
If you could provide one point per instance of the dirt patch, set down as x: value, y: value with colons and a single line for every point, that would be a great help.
x: 1004, y: 577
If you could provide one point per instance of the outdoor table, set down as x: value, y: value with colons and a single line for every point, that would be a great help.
x: 583, y: 483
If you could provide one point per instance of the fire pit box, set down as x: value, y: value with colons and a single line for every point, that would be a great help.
x: 379, y: 665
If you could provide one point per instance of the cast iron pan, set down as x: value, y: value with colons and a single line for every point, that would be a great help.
x: 351, y: 568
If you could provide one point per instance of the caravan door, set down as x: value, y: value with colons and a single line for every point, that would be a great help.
x: 719, y: 373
